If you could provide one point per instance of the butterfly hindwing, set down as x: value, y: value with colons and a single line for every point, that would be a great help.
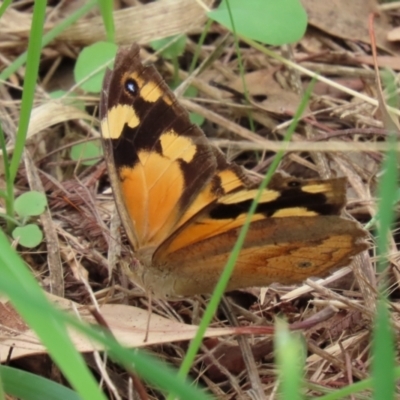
x: 275, y: 250
x: 296, y: 232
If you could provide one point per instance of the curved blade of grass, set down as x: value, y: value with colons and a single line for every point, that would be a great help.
x: 106, y: 9
x: 388, y: 193
x: 383, y: 346
x: 345, y: 392
x: 290, y: 357
x: 198, y: 46
x: 28, y: 386
x: 223, y: 281
x: 383, y: 354
x: 39, y: 12
x: 354, y: 388
x: 2, y: 392
x: 49, y: 324
x: 52, y: 332
x: 4, y: 7
x: 6, y: 163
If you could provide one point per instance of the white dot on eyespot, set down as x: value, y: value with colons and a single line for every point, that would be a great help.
x: 130, y: 86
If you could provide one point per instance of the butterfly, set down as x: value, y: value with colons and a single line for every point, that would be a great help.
x: 182, y: 204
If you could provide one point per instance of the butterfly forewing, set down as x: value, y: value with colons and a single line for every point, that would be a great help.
x: 159, y: 162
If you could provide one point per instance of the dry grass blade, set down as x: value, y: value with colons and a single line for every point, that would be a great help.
x: 166, y: 18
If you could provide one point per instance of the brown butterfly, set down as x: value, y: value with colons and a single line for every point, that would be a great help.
x: 183, y: 204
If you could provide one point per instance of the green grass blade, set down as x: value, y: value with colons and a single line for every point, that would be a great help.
x: 290, y: 357
x: 8, y: 194
x: 49, y: 324
x: 106, y: 9
x: 198, y: 46
x: 2, y: 390
x: 51, y: 331
x: 387, y: 190
x: 354, y: 388
x: 32, y: 68
x: 383, y: 350
x: 383, y: 347
x: 28, y: 386
x: 39, y: 12
x: 4, y: 7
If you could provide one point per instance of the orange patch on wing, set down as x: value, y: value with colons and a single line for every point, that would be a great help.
x: 175, y: 146
x: 294, y: 212
x: 245, y: 195
x: 151, y: 200
x: 206, y: 228
x: 228, y: 181
x: 323, y: 187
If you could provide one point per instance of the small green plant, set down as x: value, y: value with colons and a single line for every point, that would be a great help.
x: 28, y: 205
x: 90, y: 66
x: 87, y: 153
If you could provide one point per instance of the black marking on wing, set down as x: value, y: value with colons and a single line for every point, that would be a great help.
x: 289, y: 198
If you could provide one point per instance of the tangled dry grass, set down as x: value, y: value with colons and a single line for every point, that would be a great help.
x: 342, y: 134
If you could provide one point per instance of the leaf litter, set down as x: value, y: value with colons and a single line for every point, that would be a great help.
x: 335, y: 314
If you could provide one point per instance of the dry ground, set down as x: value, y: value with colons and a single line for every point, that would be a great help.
x: 335, y: 316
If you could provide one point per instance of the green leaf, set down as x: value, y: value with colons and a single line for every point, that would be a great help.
x: 89, y: 150
x: 196, y: 119
x: 30, y: 204
x: 175, y: 49
x: 28, y: 236
x: 91, y: 59
x: 268, y: 21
